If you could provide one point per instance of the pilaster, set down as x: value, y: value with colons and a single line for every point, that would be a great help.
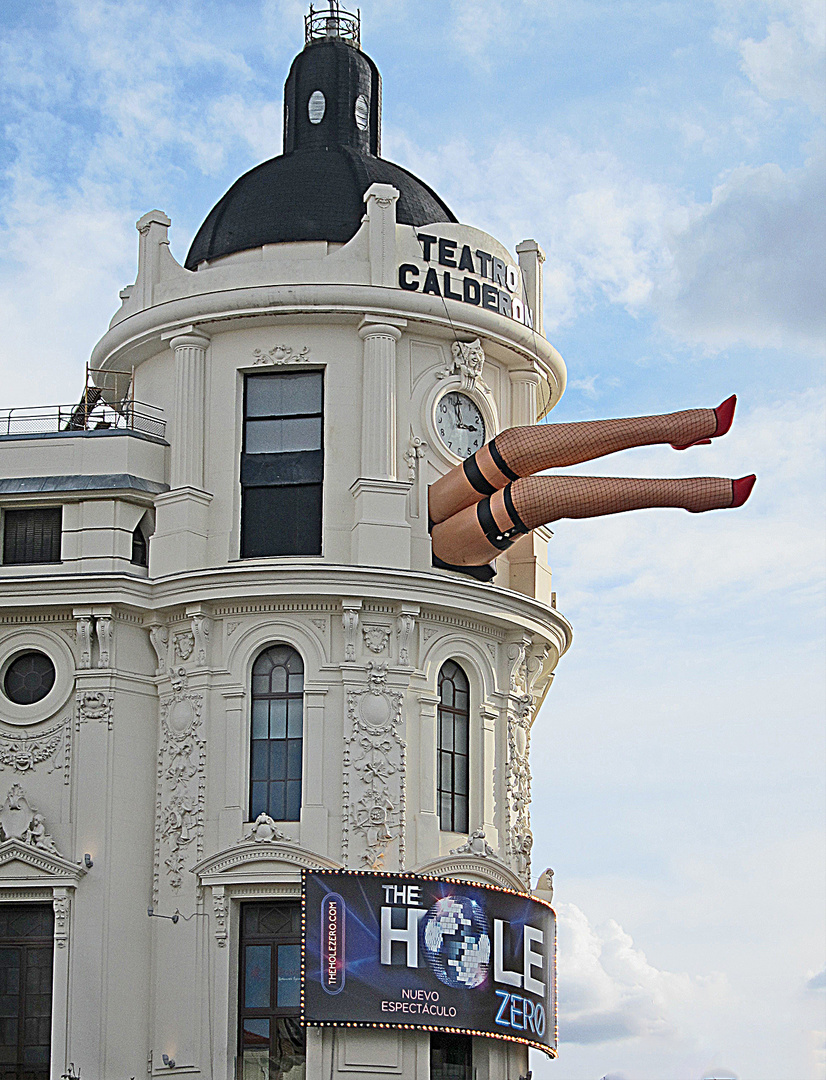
x: 381, y: 202
x: 531, y: 257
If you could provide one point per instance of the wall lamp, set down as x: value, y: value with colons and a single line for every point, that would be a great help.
x: 167, y: 1060
x: 172, y: 918
x: 87, y: 861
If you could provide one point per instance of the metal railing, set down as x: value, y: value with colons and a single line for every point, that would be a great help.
x: 87, y: 415
x: 332, y: 22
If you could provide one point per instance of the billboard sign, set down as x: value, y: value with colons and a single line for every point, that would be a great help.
x: 400, y: 950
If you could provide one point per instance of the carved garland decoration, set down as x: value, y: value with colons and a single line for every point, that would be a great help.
x: 374, y: 774
x: 179, y: 824
x: 24, y: 752
x: 527, y: 680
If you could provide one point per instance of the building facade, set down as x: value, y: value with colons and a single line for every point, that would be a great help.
x: 225, y: 653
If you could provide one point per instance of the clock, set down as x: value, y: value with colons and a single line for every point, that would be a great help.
x: 459, y: 423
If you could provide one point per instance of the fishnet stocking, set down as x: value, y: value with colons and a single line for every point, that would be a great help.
x: 542, y: 499
x: 551, y: 446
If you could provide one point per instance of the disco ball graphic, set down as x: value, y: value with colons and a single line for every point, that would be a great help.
x: 456, y: 941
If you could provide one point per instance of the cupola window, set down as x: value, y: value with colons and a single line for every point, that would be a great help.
x: 316, y: 107
x: 362, y: 111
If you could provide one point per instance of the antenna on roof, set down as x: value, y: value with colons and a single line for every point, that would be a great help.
x: 332, y: 22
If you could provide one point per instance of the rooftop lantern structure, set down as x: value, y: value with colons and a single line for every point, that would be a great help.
x: 332, y: 22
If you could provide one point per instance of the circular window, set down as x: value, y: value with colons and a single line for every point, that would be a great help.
x: 362, y: 112
x: 316, y: 106
x: 29, y: 678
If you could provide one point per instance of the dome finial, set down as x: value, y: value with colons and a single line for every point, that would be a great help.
x: 332, y: 22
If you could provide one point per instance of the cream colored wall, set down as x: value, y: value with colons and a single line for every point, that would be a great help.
x: 153, y: 706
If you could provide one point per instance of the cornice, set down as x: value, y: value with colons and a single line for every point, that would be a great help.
x: 138, y: 336
x: 291, y: 579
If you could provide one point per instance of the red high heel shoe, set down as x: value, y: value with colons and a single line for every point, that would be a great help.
x: 725, y: 415
x: 741, y: 489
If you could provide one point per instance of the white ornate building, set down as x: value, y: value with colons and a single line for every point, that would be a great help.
x: 225, y: 653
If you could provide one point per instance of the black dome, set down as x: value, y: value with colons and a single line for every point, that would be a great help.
x: 315, y: 190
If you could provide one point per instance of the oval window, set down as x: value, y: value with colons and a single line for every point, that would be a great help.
x: 362, y: 112
x: 29, y: 678
x: 316, y: 106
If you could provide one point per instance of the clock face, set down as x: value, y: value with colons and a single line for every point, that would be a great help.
x: 460, y: 424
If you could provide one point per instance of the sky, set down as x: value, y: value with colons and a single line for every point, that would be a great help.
x: 669, y: 157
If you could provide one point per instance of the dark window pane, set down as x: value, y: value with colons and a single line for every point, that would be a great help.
x: 26, y: 955
x: 288, y: 993
x: 295, y: 718
x: 292, y: 811
x: 281, y: 521
x: 454, y: 725
x: 259, y: 760
x: 446, y: 732
x: 278, y: 759
x: 29, y: 678
x: 451, y: 1056
x: 258, y: 804
x: 460, y: 813
x: 277, y: 801
x: 293, y: 759
x: 140, y: 548
x: 257, y: 976
x: 32, y: 536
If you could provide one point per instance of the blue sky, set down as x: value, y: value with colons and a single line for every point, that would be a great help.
x: 669, y: 156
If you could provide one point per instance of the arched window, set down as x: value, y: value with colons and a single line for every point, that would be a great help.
x: 454, y: 729
x: 277, y: 728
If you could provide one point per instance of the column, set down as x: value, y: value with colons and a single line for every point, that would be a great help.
x: 187, y: 468
x: 378, y: 401
x: 523, y: 397
x: 381, y: 532
x: 182, y: 514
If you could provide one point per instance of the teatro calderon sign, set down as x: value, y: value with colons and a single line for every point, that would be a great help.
x: 398, y: 950
x: 468, y: 274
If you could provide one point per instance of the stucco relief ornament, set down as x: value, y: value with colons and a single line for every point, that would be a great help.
x: 265, y: 831
x: 468, y: 359
x: 373, y: 781
x: 376, y: 638
x: 24, y: 752
x: 405, y: 626
x: 415, y: 452
x: 518, y: 786
x: 184, y: 644
x: 181, y: 781
x: 21, y: 821
x: 281, y: 354
x: 103, y: 630
x: 94, y: 706
x: 476, y: 845
x: 159, y: 637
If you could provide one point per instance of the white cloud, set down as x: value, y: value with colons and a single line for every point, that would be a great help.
x: 749, y: 266
x: 788, y: 63
x: 609, y: 991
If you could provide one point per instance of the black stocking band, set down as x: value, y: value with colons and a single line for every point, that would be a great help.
x: 500, y: 462
x: 475, y: 476
x: 500, y: 538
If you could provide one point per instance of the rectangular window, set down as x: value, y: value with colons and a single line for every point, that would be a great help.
x: 26, y: 955
x: 451, y: 1056
x: 270, y: 1036
x: 282, y: 464
x: 32, y: 536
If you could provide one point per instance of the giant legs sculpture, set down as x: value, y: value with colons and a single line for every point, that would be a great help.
x: 483, y: 505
